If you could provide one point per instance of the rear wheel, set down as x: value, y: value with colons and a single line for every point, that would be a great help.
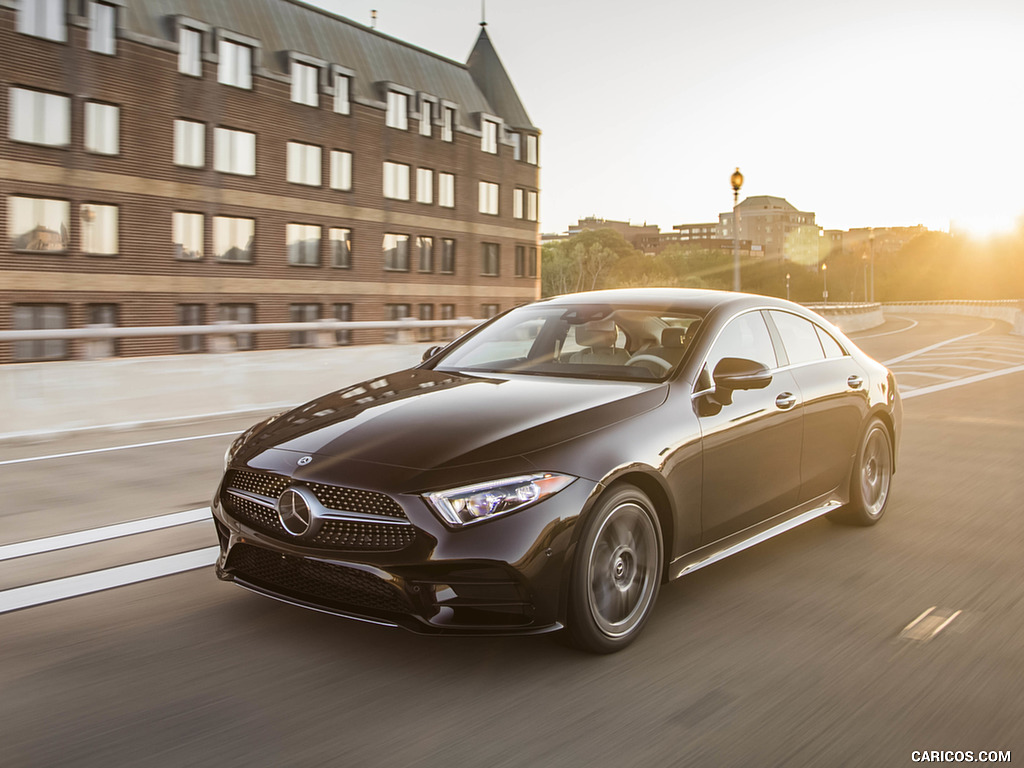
x: 871, y: 479
x: 616, y: 572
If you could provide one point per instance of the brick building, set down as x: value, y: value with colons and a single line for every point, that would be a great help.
x: 171, y: 162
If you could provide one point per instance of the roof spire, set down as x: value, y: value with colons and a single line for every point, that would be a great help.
x: 483, y: 13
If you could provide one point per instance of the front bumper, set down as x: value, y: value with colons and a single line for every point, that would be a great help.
x: 505, y: 576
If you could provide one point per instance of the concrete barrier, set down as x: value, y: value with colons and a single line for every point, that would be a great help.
x: 48, y: 399
x: 851, y: 317
x: 1007, y: 311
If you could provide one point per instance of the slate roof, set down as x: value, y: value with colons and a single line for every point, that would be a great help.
x: 281, y: 26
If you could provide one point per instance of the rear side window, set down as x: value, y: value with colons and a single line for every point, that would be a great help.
x: 829, y: 344
x: 799, y: 337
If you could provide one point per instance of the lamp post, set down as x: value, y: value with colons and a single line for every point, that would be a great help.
x: 871, y: 242
x: 737, y: 182
x: 787, y: 286
x: 824, y: 283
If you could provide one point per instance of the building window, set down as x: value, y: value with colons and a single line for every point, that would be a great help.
x: 531, y: 149
x: 234, y: 151
x: 396, y: 181
x: 398, y: 311
x: 341, y: 93
x: 424, y: 185
x: 191, y: 314
x: 343, y: 312
x: 102, y: 28
x: 303, y: 244
x: 102, y: 128
x: 489, y: 259
x: 489, y: 139
x: 489, y: 198
x: 531, y: 205
x: 303, y: 313
x: 447, y: 256
x: 517, y: 203
x: 531, y: 263
x: 447, y: 313
x: 187, y: 234
x: 398, y: 111
x: 43, y: 18
x: 40, y: 118
x: 104, y: 314
x: 233, y: 239
x: 341, y: 247
x: 517, y: 144
x: 38, y: 224
x: 190, y: 52
x: 426, y: 313
x: 304, y: 164
x: 305, y: 79
x: 244, y: 314
x: 448, y: 124
x: 426, y: 116
x: 489, y: 310
x: 234, y: 64
x: 189, y: 143
x: 40, y: 317
x: 396, y: 252
x: 99, y: 229
x: 446, y: 190
x: 520, y: 261
x: 426, y: 249
x: 341, y: 170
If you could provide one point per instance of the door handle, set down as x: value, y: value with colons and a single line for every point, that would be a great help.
x: 785, y: 401
x: 855, y: 381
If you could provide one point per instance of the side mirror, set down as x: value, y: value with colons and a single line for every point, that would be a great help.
x: 734, y: 373
x: 431, y: 351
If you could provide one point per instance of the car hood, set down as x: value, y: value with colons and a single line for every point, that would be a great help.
x: 424, y: 419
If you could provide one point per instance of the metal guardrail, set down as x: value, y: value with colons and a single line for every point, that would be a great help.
x: 847, y: 308
x: 228, y: 328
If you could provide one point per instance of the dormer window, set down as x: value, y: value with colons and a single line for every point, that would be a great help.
x: 305, y: 78
x: 427, y: 108
x: 531, y: 149
x: 398, y: 111
x: 447, y: 124
x: 234, y: 64
x: 190, y: 52
x: 342, y: 92
x: 102, y: 28
x: 43, y: 18
x: 489, y: 138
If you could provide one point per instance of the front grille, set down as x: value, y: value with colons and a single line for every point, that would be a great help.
x: 336, y: 534
x: 314, y: 580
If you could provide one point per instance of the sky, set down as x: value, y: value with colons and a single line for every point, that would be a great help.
x: 875, y: 113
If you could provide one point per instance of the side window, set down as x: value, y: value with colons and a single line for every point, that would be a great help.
x: 830, y: 345
x: 799, y: 337
x: 745, y: 336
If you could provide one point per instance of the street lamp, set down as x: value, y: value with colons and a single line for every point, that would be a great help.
x: 824, y: 283
x: 871, y: 242
x: 737, y: 182
x: 787, y: 286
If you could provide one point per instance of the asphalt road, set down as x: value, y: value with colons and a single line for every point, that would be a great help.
x: 794, y: 653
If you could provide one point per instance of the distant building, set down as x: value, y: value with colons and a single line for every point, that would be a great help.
x: 882, y: 241
x: 632, y: 233
x: 777, y: 227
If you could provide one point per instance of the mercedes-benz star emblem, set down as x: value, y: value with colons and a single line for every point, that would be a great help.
x: 295, y: 511
x: 305, y: 460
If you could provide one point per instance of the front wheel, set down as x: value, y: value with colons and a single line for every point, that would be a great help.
x: 616, y: 572
x: 871, y: 479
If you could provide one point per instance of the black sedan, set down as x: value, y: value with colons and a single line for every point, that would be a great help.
x: 551, y: 468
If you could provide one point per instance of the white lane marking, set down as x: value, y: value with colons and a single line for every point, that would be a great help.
x: 918, y: 620
x: 97, y: 581
x: 928, y: 625
x: 962, y: 382
x: 913, y: 324
x: 929, y: 348
x: 78, y: 538
x: 116, y: 448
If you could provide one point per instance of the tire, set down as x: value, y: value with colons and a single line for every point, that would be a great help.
x: 871, y: 479
x: 616, y: 572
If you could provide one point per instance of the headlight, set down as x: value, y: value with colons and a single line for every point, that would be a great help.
x: 473, y: 503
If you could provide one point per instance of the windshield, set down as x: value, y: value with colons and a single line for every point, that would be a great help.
x: 581, y: 341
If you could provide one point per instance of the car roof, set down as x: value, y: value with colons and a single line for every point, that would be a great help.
x: 674, y: 299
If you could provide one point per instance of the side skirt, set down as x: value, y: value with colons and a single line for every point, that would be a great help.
x: 730, y: 545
